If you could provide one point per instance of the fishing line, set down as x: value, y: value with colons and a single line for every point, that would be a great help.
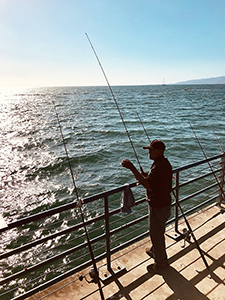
x: 114, y: 100
x: 94, y: 275
x: 208, y: 162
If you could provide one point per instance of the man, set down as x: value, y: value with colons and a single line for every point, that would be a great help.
x: 158, y: 184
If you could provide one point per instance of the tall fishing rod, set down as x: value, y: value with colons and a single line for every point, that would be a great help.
x: 143, y: 127
x: 192, y: 234
x: 222, y: 209
x: 221, y: 189
x: 94, y: 275
x: 114, y: 100
x: 64, y: 144
x: 218, y: 142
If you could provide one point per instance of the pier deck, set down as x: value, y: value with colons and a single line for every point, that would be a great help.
x: 186, y: 278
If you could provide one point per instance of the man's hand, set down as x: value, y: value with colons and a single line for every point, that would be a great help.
x: 145, y: 174
x: 139, y: 176
x: 127, y: 164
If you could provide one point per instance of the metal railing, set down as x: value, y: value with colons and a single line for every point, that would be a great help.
x: 40, y: 250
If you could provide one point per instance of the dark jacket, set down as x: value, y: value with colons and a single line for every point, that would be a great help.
x: 160, y: 181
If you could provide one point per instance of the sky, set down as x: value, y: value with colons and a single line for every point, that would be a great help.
x: 43, y: 42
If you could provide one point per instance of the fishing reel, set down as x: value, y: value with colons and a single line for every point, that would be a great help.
x: 187, y: 236
x: 79, y: 202
x: 94, y: 276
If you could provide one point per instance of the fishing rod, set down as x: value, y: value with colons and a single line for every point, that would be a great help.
x: 143, y: 127
x: 64, y: 144
x: 192, y: 234
x: 219, y: 203
x: 114, y: 100
x: 93, y: 273
x: 218, y: 142
x: 221, y: 189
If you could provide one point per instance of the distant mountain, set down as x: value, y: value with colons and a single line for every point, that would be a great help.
x: 213, y: 80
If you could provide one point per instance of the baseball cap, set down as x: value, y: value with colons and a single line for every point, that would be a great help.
x: 156, y: 144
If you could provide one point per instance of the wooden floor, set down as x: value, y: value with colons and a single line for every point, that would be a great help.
x: 186, y: 278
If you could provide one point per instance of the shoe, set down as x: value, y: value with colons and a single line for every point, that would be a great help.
x: 150, y: 252
x: 154, y: 268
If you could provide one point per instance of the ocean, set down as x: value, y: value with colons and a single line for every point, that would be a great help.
x: 34, y: 170
x: 33, y: 166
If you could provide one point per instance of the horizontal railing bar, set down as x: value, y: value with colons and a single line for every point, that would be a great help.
x: 198, y: 192
x: 54, y: 280
x: 62, y: 208
x: 136, y: 239
x: 37, y: 266
x: 198, y: 178
x: 130, y: 242
x: 52, y: 236
x: 200, y: 205
x: 127, y: 225
x: 39, y: 216
x: 186, y: 167
x: 108, y: 193
x: 59, y: 278
x: 35, y: 243
x: 125, y: 217
x: 60, y: 233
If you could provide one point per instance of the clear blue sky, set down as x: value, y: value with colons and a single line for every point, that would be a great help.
x: 43, y: 42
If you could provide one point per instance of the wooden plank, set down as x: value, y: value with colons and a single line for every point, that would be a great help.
x: 2, y: 222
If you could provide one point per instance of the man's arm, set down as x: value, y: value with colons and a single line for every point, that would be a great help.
x: 141, y: 177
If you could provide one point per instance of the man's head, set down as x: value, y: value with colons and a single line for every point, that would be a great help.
x: 156, y: 149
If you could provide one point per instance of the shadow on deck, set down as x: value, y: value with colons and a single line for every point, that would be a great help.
x: 186, y: 278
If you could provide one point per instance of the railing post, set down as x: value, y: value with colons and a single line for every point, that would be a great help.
x: 177, y: 201
x: 221, y: 181
x: 107, y: 234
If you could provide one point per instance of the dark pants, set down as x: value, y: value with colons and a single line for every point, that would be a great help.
x: 157, y: 222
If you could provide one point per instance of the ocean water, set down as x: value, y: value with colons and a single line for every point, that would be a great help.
x: 33, y: 166
x: 34, y: 170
